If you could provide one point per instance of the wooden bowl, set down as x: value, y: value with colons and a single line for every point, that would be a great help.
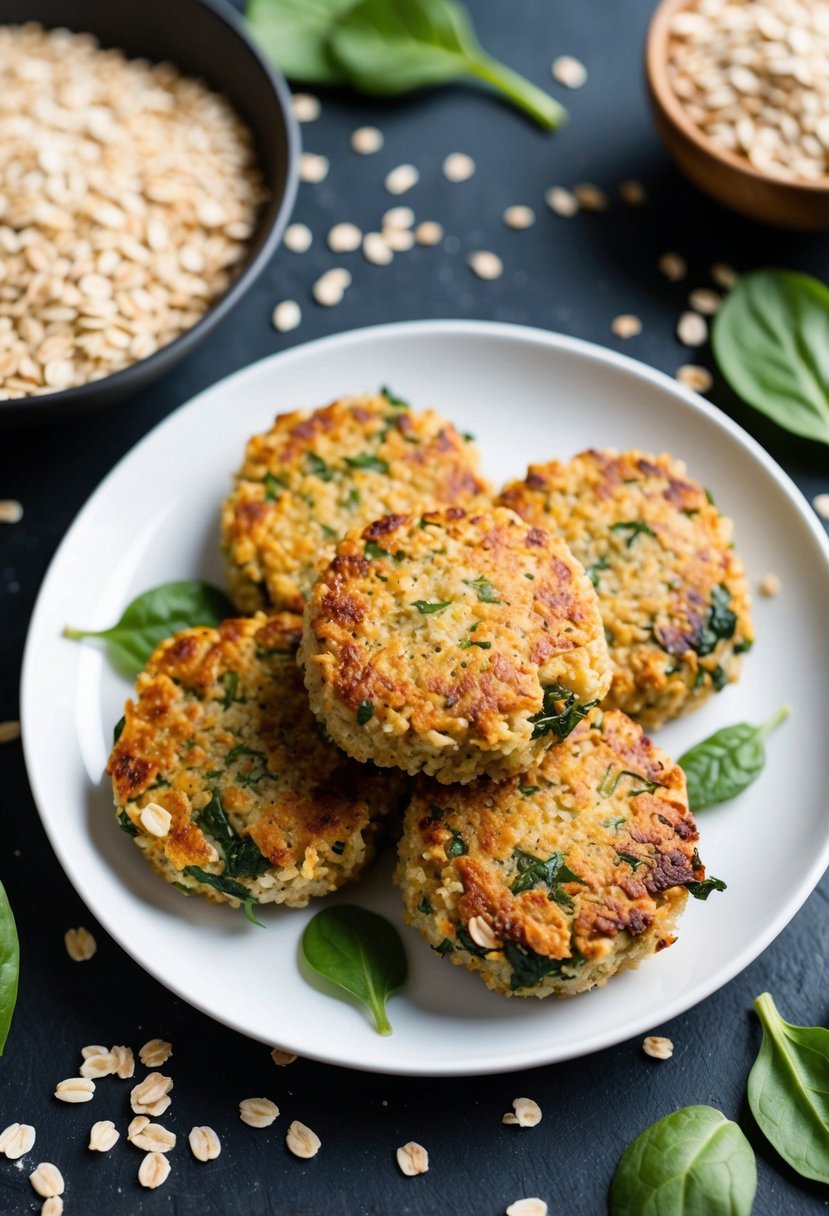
x: 730, y: 179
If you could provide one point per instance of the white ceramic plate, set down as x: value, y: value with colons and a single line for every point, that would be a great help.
x: 527, y: 395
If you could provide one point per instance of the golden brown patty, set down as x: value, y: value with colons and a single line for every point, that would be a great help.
x: 315, y: 475
x: 673, y: 593
x: 454, y: 643
x: 221, y: 739
x: 553, y: 881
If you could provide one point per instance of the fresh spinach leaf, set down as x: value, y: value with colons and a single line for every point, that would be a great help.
x: 359, y: 951
x: 694, y: 1162
x: 788, y: 1091
x: 393, y: 46
x: 427, y: 607
x: 157, y: 615
x: 294, y: 33
x: 484, y: 590
x: 771, y: 343
x: 727, y: 762
x: 9, y: 966
x: 560, y: 721
x: 365, y: 460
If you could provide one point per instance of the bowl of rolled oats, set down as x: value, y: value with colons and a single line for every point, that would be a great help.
x: 740, y: 94
x: 148, y: 163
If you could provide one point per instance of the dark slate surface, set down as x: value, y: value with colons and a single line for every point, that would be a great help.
x: 570, y: 275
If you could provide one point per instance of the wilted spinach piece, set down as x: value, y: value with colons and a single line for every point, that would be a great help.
x: 560, y: 721
x: 529, y: 968
x: 721, y: 623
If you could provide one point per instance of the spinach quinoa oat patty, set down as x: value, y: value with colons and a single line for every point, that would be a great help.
x: 223, y: 778
x: 673, y: 593
x: 314, y: 475
x: 453, y: 642
x: 553, y: 881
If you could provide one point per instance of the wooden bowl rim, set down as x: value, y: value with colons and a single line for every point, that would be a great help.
x: 656, y: 59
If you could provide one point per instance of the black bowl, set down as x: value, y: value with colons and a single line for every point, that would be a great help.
x: 208, y: 39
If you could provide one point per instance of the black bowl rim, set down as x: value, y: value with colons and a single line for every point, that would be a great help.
x: 118, y: 384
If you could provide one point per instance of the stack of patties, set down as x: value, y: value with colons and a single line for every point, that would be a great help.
x: 491, y: 652
x: 227, y: 783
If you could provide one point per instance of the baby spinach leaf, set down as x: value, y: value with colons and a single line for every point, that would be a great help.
x: 727, y: 762
x: 788, y: 1091
x: 771, y: 342
x: 694, y: 1162
x: 393, y: 46
x: 560, y: 721
x: 156, y: 615
x: 359, y: 951
x: 9, y: 966
x: 294, y: 33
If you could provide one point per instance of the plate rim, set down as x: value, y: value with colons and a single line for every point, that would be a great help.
x: 436, y: 327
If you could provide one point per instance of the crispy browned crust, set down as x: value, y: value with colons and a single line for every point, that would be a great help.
x: 286, y: 787
x: 471, y: 672
x: 655, y: 589
x: 274, y: 535
x: 632, y: 847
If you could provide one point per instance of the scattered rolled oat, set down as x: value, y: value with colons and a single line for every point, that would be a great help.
x: 130, y: 193
x: 344, y: 238
x: 53, y: 1206
x: 75, y: 1089
x: 633, y: 194
x: 527, y: 1207
x: 569, y: 71
x: 412, y: 1159
x: 95, y: 1049
x: 286, y: 316
x: 11, y: 511
x: 258, y: 1112
x: 155, y: 819
x: 401, y: 179
x: 102, y: 1136
x: 481, y: 932
x: 673, y: 266
x: 153, y: 1170
x: 430, y: 232
x: 47, y: 1180
x: 205, y: 1145
x: 313, y: 169
x: 151, y: 1096
x: 590, y: 197
x: 9, y: 732
x: 485, y: 265
x: 399, y: 240
x: 80, y: 944
x: 328, y: 291
x: 366, y: 140
x: 102, y: 1064
x: 298, y: 238
x: 376, y: 249
x: 151, y: 1137
x: 527, y: 1113
x: 769, y: 586
x: 704, y: 300
x: 301, y: 1141
x: 458, y: 167
x: 562, y: 201
x: 519, y: 216
x: 723, y: 275
x: 16, y: 1140
x: 657, y: 1047
x: 626, y: 326
x: 282, y: 1058
x: 398, y: 217
x: 155, y: 1053
x: 695, y: 377
x: 691, y: 329
x: 306, y: 107
x: 821, y: 504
